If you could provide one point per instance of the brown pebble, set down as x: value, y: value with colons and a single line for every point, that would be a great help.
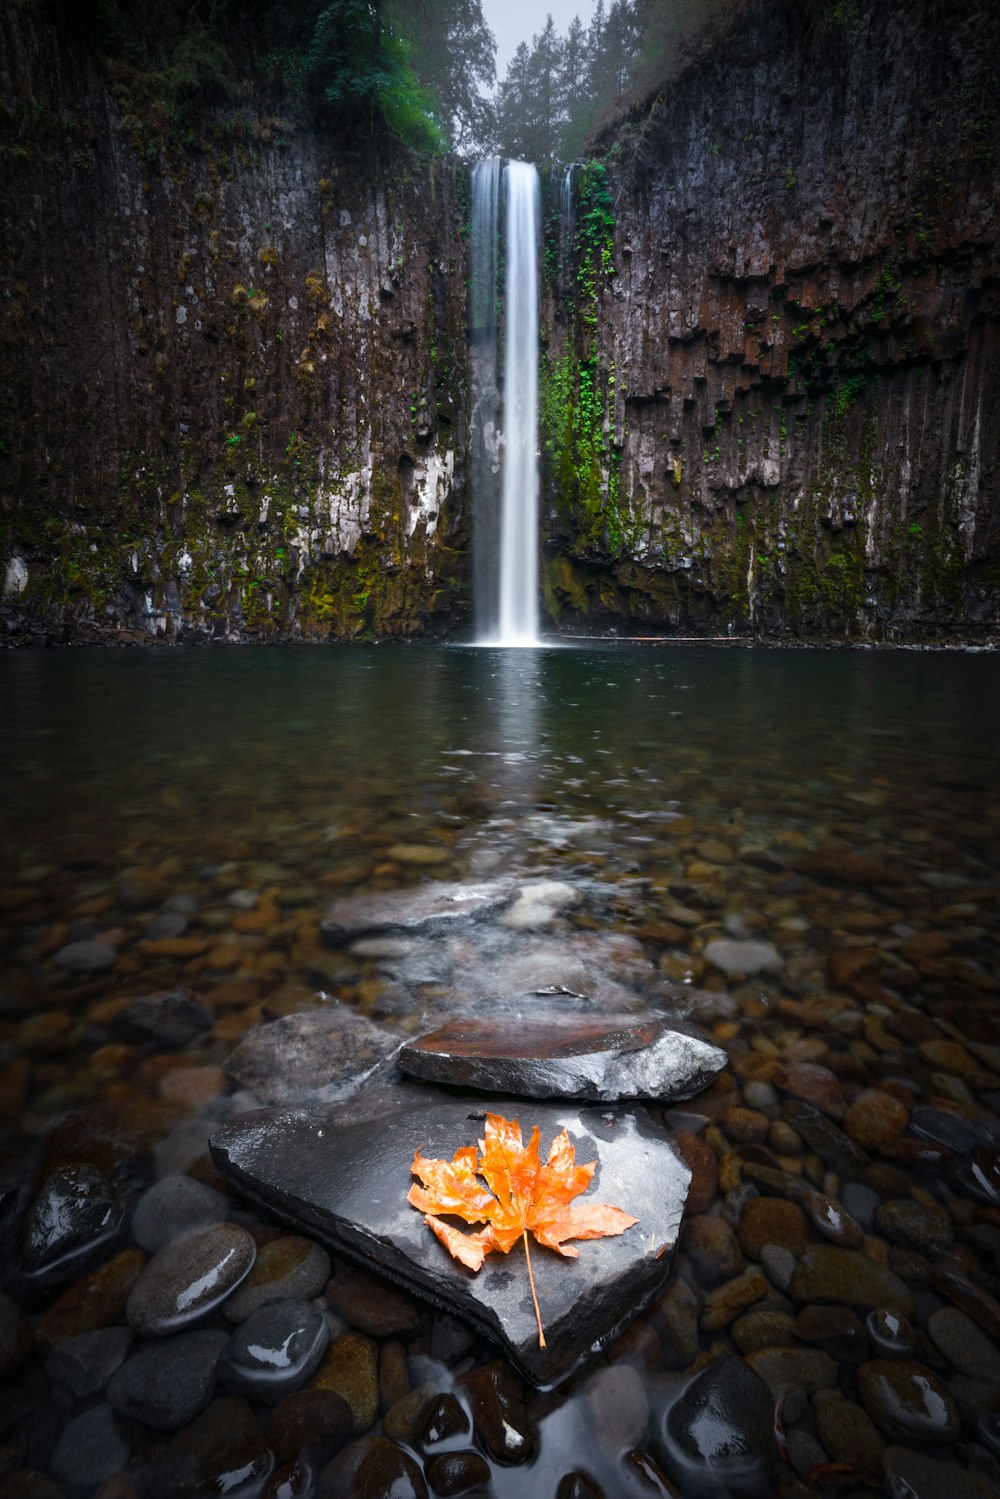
x: 393, y: 1374
x: 704, y: 1170
x: 372, y: 1306
x: 95, y: 1301
x: 723, y: 1305
x: 711, y: 1246
x: 350, y: 1369
x: 313, y: 1423
x: 772, y: 1220
x: 875, y: 1117
x: 744, y: 1126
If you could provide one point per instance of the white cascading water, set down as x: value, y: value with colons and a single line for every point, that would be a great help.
x: 518, y: 612
x: 483, y: 286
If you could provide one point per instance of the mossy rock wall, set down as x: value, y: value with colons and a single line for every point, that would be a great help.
x: 771, y: 387
x: 232, y: 396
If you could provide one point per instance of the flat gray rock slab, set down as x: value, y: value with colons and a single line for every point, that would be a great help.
x: 347, y: 1184
x: 599, y: 1059
x: 316, y: 1056
x: 419, y: 908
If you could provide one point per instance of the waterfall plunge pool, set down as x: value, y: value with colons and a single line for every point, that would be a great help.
x: 194, y: 812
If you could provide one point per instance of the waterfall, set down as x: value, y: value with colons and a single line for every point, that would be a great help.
x: 505, y: 515
x: 518, y: 614
x: 567, y: 226
x: 483, y: 286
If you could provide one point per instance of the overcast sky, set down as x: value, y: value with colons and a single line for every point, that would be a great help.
x: 513, y: 21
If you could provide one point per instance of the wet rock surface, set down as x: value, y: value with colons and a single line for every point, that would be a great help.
x: 275, y: 1350
x: 189, y: 1277
x: 597, y: 1060
x: 353, y: 1181
x: 76, y: 1212
x: 419, y: 909
x: 313, y: 1057
x: 720, y: 1433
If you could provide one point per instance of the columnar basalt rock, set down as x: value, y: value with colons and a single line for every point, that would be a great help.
x: 771, y: 395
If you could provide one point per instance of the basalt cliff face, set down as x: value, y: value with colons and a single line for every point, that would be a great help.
x: 772, y: 389
x: 234, y: 394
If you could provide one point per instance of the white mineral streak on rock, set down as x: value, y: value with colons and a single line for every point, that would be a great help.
x: 432, y: 485
x: 15, y: 578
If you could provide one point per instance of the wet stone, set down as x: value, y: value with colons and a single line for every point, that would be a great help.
x: 861, y: 1202
x: 444, y: 1421
x: 173, y: 1206
x: 90, y: 1449
x: 849, y: 1435
x: 981, y: 1176
x: 315, y: 1056
x: 778, y: 1264
x: 726, y: 1302
x: 189, y: 1277
x: 172, y: 1018
x: 826, y: 1274
x: 275, y: 1350
x: 310, y: 1423
x: 718, y: 1437
x: 422, y: 907
x: 913, y: 1475
x: 457, y: 1473
x: 964, y: 1345
x: 166, y: 1384
x: 75, y: 1213
x: 95, y: 1301
x: 616, y: 1407
x: 295, y: 1480
x: 701, y: 1160
x: 597, y: 1059
x: 834, y: 1148
x: 837, y: 1328
x: 744, y: 958
x: 350, y: 1369
x: 814, y: 1085
x: 771, y: 1220
x: 833, y: 1222
x: 943, y: 1127
x: 404, y: 1420
x: 711, y: 1247
x: 288, y: 1267
x: 221, y: 1452
x: 84, y: 1364
x: 677, y: 1320
x: 918, y: 1225
x: 372, y: 1306
x: 763, y: 1329
x: 497, y: 1402
x: 87, y: 956
x: 393, y: 1374
x: 352, y: 1178
x: 874, y: 1118
x: 374, y: 1468
x: 908, y: 1402
x: 809, y: 1369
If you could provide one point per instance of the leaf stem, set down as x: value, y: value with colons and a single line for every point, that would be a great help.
x: 531, y: 1280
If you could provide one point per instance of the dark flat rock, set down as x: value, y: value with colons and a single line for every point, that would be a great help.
x: 316, y: 1056
x: 421, y: 907
x: 346, y: 1183
x: 600, y: 1059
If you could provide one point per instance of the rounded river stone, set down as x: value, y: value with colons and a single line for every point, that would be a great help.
x: 373, y: 1467
x: 222, y: 1451
x: 891, y: 1335
x: 719, y: 1435
x: 287, y: 1268
x: 89, y: 1449
x: 188, y: 1277
x: 907, y: 1401
x: 964, y: 1345
x: 828, y: 1274
x: 166, y: 1384
x: 173, y: 1206
x: 275, y: 1350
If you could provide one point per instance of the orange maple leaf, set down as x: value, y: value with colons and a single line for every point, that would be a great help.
x: 523, y: 1197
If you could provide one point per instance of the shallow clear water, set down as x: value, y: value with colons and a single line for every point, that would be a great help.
x: 819, y: 801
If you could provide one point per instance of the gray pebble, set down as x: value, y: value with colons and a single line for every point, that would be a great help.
x: 167, y: 924
x: 88, y: 956
x: 166, y: 1384
x: 778, y: 1264
x: 174, y: 1205
x: 89, y: 1449
x: 861, y: 1202
x: 758, y: 1095
x: 275, y: 1350
x: 84, y: 1364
